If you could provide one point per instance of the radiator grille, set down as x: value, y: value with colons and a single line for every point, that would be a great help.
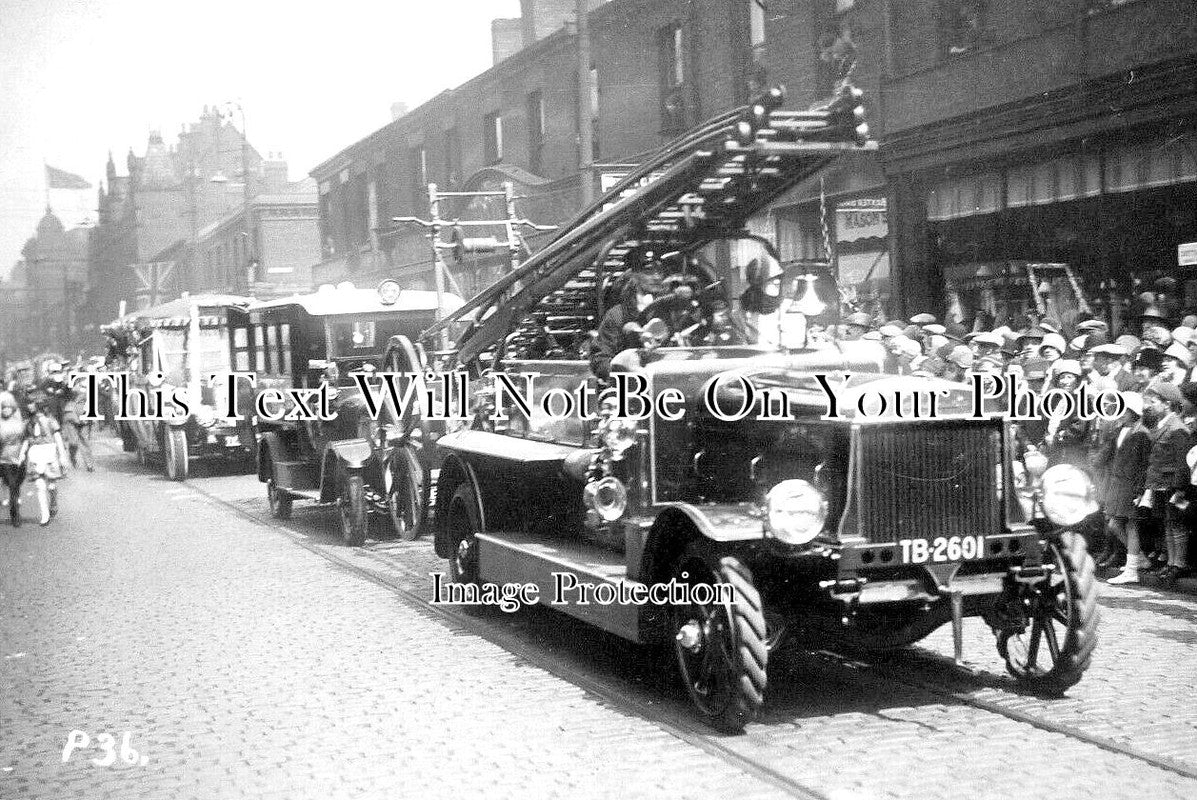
x: 928, y: 480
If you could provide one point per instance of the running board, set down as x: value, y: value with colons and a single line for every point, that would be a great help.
x: 550, y: 563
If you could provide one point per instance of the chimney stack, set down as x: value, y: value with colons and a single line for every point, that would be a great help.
x: 274, y: 170
x: 507, y: 38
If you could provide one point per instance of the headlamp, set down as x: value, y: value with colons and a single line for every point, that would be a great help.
x: 1068, y: 495
x: 205, y: 416
x: 795, y: 512
x: 607, y: 497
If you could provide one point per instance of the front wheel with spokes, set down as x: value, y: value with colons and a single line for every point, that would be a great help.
x: 721, y: 646
x: 1053, y: 647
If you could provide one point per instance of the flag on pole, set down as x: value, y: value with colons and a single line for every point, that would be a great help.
x: 61, y: 179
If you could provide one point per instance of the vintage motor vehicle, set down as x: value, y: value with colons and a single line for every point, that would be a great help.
x: 854, y: 531
x: 179, y: 344
x: 300, y: 342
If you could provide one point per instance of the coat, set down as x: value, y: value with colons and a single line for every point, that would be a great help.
x: 1166, y: 467
x: 1125, y: 472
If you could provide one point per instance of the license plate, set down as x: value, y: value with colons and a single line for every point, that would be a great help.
x: 941, y: 549
x: 232, y: 441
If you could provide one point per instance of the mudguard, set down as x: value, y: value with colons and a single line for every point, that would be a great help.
x: 454, y: 471
x: 677, y: 523
x: 270, y: 448
x: 351, y: 453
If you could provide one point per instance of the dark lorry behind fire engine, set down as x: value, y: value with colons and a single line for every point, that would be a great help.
x: 851, y: 533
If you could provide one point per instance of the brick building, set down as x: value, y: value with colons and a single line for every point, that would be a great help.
x: 1020, y: 132
x: 267, y: 247
x: 515, y: 122
x: 147, y: 246
x: 657, y: 67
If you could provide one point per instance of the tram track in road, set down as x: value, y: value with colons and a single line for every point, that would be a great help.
x: 873, y: 671
x: 678, y: 722
x: 757, y: 750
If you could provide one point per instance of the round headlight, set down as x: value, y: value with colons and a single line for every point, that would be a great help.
x: 205, y: 416
x: 1068, y: 495
x: 388, y: 292
x: 795, y: 511
x: 607, y: 497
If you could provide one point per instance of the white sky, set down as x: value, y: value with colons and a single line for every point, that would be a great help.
x: 81, y: 77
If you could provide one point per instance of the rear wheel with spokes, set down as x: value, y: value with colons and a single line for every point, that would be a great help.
x: 1052, y: 648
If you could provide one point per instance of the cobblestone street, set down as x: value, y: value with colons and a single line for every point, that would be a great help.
x: 242, y: 663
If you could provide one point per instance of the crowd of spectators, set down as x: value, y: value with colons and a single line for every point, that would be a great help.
x: 1141, y: 463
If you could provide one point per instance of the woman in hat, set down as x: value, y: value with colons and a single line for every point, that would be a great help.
x: 12, y: 450
x: 1176, y: 364
x: 44, y: 455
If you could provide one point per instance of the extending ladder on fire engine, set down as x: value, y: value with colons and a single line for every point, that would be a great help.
x: 460, y: 245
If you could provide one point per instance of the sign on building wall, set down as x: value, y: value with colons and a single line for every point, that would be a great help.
x: 863, y: 218
x: 861, y: 247
x: 1186, y: 254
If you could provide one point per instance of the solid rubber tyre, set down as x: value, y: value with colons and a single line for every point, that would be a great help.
x: 463, y: 522
x: 726, y: 676
x: 1068, y: 606
x: 175, y: 458
x: 404, y: 496
x: 351, y: 503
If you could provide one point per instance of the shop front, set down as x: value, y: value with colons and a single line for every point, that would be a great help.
x: 1095, y: 229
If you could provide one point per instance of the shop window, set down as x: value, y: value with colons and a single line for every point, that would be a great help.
x: 672, y: 79
x: 963, y: 26
x: 965, y: 196
x: 535, y: 131
x: 492, y: 132
x: 1142, y: 165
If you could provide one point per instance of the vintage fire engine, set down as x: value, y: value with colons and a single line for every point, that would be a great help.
x: 859, y: 531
